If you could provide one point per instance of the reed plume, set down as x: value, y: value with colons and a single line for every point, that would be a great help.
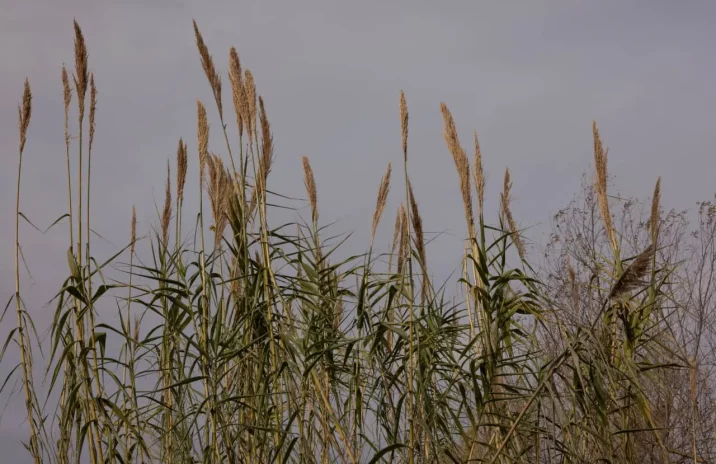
x: 404, y: 124
x: 133, y: 236
x: 403, y: 247
x: 418, y: 228
x: 220, y: 187
x: 266, y: 145
x: 479, y: 176
x: 250, y: 86
x: 507, y: 215
x: 600, y: 163
x: 182, y: 162
x: 202, y: 135
x: 238, y: 93
x: 207, y: 62
x: 167, y: 211
x: 381, y: 201
x: 310, y: 184
x: 24, y: 111
x: 461, y: 164
x: 92, y: 111
x: 81, y: 76
x: 67, y: 97
x: 655, y: 220
x: 632, y: 277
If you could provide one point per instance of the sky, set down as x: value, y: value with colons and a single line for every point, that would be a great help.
x: 528, y: 76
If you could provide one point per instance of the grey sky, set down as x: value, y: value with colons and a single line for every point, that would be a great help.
x: 529, y: 76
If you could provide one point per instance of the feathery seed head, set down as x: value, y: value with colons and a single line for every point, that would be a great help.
x: 507, y: 215
x: 202, y: 135
x: 655, y: 206
x: 266, y: 146
x: 631, y: 278
x: 417, y: 227
x: 600, y: 184
x: 24, y: 111
x: 310, y: 184
x: 404, y: 123
x: 207, y: 62
x: 237, y: 88
x: 461, y: 164
x: 182, y: 162
x: 167, y: 212
x: 133, y: 236
x: 250, y: 101
x: 92, y: 110
x: 479, y: 176
x: 404, y: 238
x: 81, y: 69
x: 382, y: 199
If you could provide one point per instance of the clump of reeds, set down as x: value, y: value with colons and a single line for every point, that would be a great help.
x: 261, y: 349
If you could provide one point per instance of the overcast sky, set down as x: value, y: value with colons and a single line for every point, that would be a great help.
x: 528, y: 76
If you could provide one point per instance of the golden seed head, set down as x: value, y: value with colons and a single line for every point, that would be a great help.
x: 479, y: 176
x: 133, y: 231
x: 207, y: 62
x: 182, y: 162
x: 81, y: 69
x: 66, y: 90
x: 404, y: 123
x: 632, y: 276
x: 418, y: 228
x: 403, y: 247
x: 600, y: 184
x: 24, y: 111
x: 461, y: 164
x: 137, y: 324
x: 310, y: 184
x: 250, y: 101
x: 93, y: 109
x: 266, y: 146
x: 398, y: 226
x: 237, y: 88
x: 167, y: 212
x: 382, y: 199
x: 219, y: 186
x: 507, y: 215
x: 655, y: 206
x: 202, y: 135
